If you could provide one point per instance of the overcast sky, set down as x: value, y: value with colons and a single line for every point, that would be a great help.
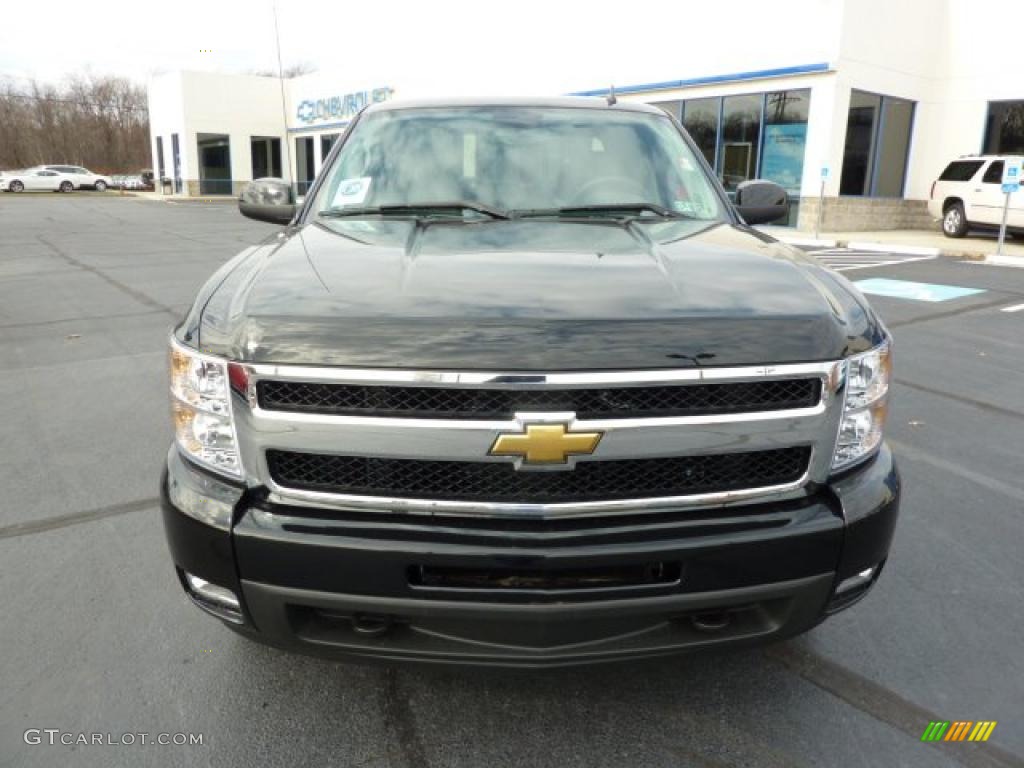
x: 518, y: 45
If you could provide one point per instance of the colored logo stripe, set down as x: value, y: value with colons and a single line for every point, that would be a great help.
x: 983, y: 730
x: 958, y: 730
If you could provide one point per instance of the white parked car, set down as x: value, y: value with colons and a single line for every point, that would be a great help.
x: 969, y: 194
x: 35, y: 179
x: 81, y: 177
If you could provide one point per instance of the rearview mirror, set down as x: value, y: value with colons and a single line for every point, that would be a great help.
x: 761, y: 202
x: 268, y: 199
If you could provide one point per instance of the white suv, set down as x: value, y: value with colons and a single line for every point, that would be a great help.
x: 969, y: 194
x: 81, y: 177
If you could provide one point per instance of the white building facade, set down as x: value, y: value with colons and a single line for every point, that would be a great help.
x: 860, y: 103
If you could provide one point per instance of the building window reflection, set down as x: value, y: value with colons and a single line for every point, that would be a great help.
x: 700, y: 117
x: 741, y: 139
x: 1004, y: 128
x: 748, y: 136
x: 878, y: 130
x: 674, y: 108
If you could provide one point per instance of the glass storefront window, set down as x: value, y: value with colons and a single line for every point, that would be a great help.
x: 893, y: 145
x: 674, y: 108
x: 754, y: 135
x: 1004, y: 128
x: 214, y: 163
x: 700, y: 117
x: 326, y: 142
x: 160, y: 158
x: 785, y: 138
x: 305, y: 164
x: 878, y: 130
x: 861, y: 120
x: 741, y: 136
x: 266, y: 156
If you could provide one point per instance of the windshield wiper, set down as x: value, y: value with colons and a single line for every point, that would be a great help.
x: 616, y: 210
x: 416, y: 209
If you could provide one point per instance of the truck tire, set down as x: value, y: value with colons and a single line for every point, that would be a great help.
x: 954, y: 220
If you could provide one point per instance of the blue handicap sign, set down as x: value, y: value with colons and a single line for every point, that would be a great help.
x: 1009, y: 189
x: 907, y: 289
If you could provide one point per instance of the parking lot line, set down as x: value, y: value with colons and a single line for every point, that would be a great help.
x: 1014, y: 308
x: 908, y: 289
x: 848, y: 260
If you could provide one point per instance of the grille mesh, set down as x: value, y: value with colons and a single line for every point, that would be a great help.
x: 621, y: 402
x: 500, y: 482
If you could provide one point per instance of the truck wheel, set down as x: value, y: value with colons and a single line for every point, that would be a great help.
x: 66, y: 186
x: 16, y: 186
x: 101, y: 186
x: 954, y: 221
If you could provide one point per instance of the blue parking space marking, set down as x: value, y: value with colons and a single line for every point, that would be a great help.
x: 907, y: 289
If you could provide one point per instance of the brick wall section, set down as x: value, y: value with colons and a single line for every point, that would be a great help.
x: 864, y: 214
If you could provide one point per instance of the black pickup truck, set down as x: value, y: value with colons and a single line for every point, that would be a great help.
x: 518, y: 385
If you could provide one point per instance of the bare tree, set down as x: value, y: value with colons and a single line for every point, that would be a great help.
x: 100, y: 122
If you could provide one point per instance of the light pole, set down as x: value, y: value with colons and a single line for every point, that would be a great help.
x: 287, y: 170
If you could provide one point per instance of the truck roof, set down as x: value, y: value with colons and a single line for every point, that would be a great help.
x: 555, y: 102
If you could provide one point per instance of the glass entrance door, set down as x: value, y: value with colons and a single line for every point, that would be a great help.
x: 305, y: 164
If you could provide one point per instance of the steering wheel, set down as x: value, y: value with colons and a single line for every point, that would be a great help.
x: 583, y: 196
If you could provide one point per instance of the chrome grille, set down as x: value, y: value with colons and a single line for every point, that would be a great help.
x: 486, y: 481
x: 586, y: 403
x: 418, y: 442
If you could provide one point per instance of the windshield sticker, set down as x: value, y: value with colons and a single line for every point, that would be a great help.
x: 351, y: 191
x: 469, y: 156
x: 685, y: 164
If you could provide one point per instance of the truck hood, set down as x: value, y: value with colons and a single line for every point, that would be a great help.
x: 528, y: 295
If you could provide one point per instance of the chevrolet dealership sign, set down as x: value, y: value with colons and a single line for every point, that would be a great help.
x: 342, y: 107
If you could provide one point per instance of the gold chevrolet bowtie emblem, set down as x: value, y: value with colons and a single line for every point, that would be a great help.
x: 545, y: 444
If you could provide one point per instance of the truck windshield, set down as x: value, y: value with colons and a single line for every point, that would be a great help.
x: 517, y: 161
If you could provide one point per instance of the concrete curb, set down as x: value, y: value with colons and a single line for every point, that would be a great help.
x: 174, y: 200
x: 1004, y: 261
x: 207, y: 200
x: 907, y: 250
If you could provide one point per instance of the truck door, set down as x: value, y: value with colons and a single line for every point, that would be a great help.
x: 987, y: 197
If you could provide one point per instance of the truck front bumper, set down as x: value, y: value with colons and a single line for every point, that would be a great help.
x: 396, y: 587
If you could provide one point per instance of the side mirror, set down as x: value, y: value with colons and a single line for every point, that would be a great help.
x: 761, y: 202
x: 268, y: 199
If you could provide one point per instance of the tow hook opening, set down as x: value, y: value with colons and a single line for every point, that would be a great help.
x: 711, y: 621
x: 371, y: 625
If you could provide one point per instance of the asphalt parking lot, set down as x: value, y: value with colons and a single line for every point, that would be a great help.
x: 98, y: 637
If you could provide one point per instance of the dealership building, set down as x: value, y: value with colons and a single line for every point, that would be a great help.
x: 859, y: 104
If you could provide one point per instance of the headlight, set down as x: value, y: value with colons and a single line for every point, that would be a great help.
x: 867, y: 394
x: 201, y: 410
